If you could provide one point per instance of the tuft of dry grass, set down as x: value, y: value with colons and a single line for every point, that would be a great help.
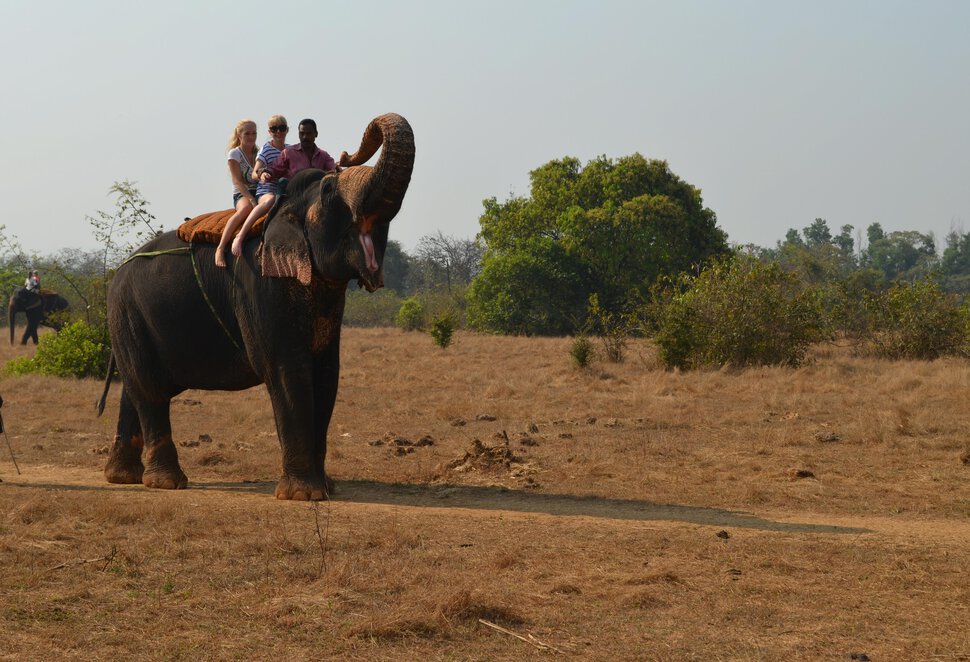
x: 622, y: 512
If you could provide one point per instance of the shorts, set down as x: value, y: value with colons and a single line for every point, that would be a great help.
x: 236, y: 197
x: 263, y: 189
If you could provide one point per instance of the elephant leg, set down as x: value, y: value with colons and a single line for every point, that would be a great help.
x: 162, y: 469
x: 292, y: 393
x: 326, y: 377
x: 124, y: 460
x: 31, y: 331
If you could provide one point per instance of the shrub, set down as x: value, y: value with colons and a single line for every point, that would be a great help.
x: 410, y: 317
x: 738, y: 311
x: 916, y: 321
x: 78, y: 350
x: 615, y: 327
x: 442, y: 329
x: 582, y: 352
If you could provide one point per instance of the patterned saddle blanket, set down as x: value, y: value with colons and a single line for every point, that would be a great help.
x: 207, y: 228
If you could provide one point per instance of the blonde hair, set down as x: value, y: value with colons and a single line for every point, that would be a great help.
x: 276, y: 119
x: 234, y: 139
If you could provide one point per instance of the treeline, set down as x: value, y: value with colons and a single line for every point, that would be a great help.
x: 876, y: 257
x: 613, y: 249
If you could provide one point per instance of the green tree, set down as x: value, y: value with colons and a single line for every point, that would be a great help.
x: 396, y: 266
x: 817, y: 234
x: 955, y: 262
x: 844, y: 241
x: 905, y: 254
x: 819, y: 257
x: 610, y: 228
x: 529, y: 291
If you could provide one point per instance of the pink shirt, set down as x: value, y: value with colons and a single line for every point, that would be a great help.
x: 294, y: 159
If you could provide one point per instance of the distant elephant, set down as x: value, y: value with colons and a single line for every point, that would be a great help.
x: 273, y: 316
x: 37, y: 306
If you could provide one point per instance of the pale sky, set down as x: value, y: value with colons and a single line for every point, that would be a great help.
x: 780, y: 112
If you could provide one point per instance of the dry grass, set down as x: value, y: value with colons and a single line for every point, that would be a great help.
x: 623, y: 512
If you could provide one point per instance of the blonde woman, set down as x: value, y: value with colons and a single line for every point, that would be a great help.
x: 265, y: 191
x: 242, y: 159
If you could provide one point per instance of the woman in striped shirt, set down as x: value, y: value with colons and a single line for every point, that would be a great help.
x: 265, y: 191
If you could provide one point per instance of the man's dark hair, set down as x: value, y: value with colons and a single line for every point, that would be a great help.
x: 309, y: 123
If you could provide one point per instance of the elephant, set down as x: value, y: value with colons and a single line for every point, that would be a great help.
x: 272, y: 316
x: 37, y: 306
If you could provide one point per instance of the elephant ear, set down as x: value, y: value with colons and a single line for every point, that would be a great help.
x: 285, y: 253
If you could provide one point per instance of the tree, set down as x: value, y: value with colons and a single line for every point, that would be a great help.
x: 793, y: 238
x: 121, y: 232
x: 819, y: 257
x: 127, y: 228
x: 610, y: 228
x: 397, y: 266
x: 445, y: 262
x: 817, y: 234
x: 905, y: 254
x: 527, y: 292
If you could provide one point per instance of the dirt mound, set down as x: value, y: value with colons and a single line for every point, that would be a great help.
x: 487, y: 459
x: 496, y: 462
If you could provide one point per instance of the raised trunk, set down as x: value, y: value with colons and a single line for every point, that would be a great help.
x: 375, y: 194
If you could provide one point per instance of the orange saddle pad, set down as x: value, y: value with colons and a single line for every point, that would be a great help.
x: 208, y: 228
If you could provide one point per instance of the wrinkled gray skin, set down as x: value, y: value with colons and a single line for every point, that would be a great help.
x: 273, y: 316
x: 36, y: 306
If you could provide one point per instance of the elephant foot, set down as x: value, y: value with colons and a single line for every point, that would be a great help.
x: 124, y: 465
x: 300, y: 489
x: 165, y: 479
x: 162, y: 469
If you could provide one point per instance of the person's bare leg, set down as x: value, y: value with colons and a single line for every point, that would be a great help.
x: 242, y: 210
x: 265, y: 204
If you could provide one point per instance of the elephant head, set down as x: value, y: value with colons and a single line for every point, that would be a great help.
x: 336, y: 225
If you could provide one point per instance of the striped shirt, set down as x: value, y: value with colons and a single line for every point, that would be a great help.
x: 268, y: 155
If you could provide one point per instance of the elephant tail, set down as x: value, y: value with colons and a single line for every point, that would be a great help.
x: 107, y: 383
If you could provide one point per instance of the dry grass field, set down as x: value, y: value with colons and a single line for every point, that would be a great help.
x: 620, y: 513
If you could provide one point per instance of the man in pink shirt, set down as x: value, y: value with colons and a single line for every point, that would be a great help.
x: 300, y: 157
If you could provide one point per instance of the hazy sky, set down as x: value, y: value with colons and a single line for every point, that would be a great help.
x: 780, y: 112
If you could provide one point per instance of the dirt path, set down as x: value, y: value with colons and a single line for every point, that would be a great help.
x: 472, y: 499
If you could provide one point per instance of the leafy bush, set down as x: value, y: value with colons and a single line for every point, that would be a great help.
x: 79, y: 350
x: 442, y: 330
x: 615, y: 327
x: 371, y: 308
x: 582, y: 352
x: 916, y: 321
x: 410, y: 317
x: 738, y: 311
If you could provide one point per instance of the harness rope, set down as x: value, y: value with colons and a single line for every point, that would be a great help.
x: 198, y: 279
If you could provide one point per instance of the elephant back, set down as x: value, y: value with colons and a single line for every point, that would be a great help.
x: 207, y: 228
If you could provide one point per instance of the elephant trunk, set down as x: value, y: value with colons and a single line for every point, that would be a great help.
x: 375, y: 194
x: 12, y: 314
